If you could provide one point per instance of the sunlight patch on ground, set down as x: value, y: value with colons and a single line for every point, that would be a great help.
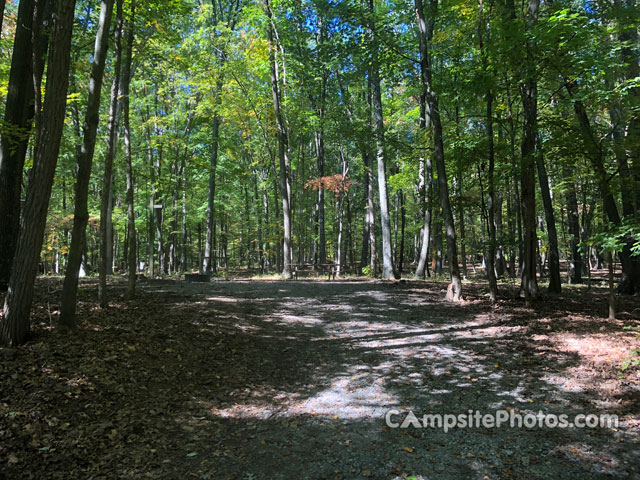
x: 223, y: 299
x: 296, y: 319
x: 349, y: 397
x: 404, y: 344
x: 518, y: 393
x: 354, y: 395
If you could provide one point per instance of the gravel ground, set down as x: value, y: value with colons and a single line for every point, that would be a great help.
x: 292, y: 380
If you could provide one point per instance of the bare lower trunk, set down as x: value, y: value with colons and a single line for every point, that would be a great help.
x: 371, y: 221
x: 527, y: 182
x: 322, y: 242
x: 555, y: 283
x: 491, y: 249
x: 183, y: 242
x: 364, y: 258
x: 421, y: 270
x: 209, y: 263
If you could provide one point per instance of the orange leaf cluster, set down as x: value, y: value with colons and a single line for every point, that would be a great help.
x: 337, y: 184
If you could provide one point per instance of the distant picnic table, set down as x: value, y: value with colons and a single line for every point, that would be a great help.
x: 309, y: 269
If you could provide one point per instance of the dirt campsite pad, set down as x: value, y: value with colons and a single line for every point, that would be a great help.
x: 292, y: 380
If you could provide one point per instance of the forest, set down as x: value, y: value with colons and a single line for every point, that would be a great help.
x: 476, y: 159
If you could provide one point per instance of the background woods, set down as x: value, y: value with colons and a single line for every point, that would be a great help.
x: 487, y: 139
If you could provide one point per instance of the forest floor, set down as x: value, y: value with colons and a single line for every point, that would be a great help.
x: 292, y: 380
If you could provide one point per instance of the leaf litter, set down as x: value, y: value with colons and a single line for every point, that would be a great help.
x: 271, y: 380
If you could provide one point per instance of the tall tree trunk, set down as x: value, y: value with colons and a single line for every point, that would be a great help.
x: 491, y: 201
x: 283, y: 145
x: 132, y: 266
x: 349, y: 234
x: 403, y: 223
x: 322, y: 241
x: 426, y: 169
x: 183, y: 242
x: 265, y: 210
x: 527, y: 186
x: 517, y: 204
x: 436, y: 248
x: 18, y: 117
x: 484, y: 28
x: 454, y: 293
x: 630, y: 265
x: 256, y: 201
x: 529, y: 95
x: 555, y: 283
x: 2, y: 5
x: 461, y: 221
x: 459, y: 201
x: 209, y: 263
x: 227, y: 13
x: 364, y: 257
x: 627, y: 18
x: 388, y: 270
x: 342, y: 249
x: 14, y: 325
x: 575, y: 260
x: 110, y: 232
x: 422, y: 270
x: 84, y: 161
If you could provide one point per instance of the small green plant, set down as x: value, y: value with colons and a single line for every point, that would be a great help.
x: 366, y: 271
x: 632, y: 361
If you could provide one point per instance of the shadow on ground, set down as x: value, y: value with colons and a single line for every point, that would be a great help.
x: 269, y: 380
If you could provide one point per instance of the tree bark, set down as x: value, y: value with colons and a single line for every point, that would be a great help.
x: 283, y: 146
x: 106, y: 205
x: 322, y: 241
x: 132, y: 266
x: 630, y: 265
x: 575, y: 260
x: 555, y: 283
x: 84, y: 161
x: 18, y: 117
x: 454, y: 292
x: 209, y: 264
x: 388, y: 270
x: 2, y: 5
x: 529, y: 95
x: 183, y: 241
x: 403, y: 223
x: 364, y: 252
x: 426, y: 169
x: 421, y: 270
x: 491, y: 201
x: 14, y: 325
x: 491, y: 193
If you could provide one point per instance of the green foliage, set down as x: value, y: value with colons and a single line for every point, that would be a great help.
x: 613, y: 238
x: 194, y: 63
x: 632, y: 361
